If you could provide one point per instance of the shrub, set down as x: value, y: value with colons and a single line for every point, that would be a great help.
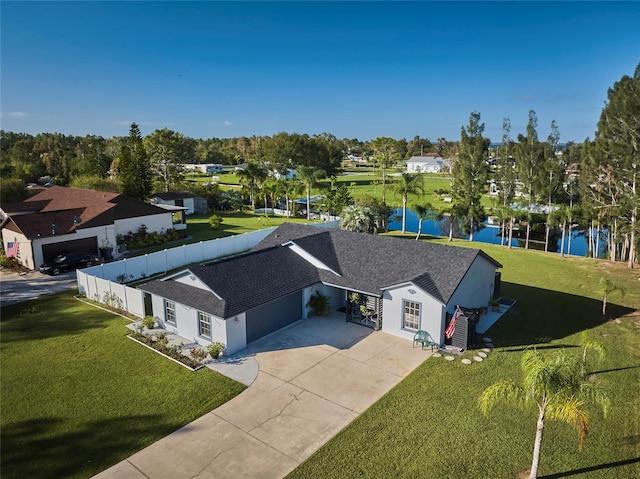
x: 198, y: 354
x: 149, y: 322
x: 319, y: 304
x: 214, y: 221
x: 215, y: 349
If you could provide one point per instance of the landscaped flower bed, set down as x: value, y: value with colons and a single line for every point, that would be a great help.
x: 159, y: 343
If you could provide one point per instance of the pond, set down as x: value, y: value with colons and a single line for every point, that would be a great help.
x: 491, y: 234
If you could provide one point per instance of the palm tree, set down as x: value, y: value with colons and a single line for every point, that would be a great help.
x: 554, y: 387
x: 252, y: 175
x: 558, y: 217
x: 425, y: 212
x: 588, y: 344
x: 607, y: 287
x: 309, y: 175
x: 358, y: 218
x: 288, y: 188
x: 409, y: 183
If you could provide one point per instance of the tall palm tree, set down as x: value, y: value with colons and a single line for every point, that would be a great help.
x: 555, y: 388
x: 409, y: 183
x: 253, y: 174
x: 289, y: 188
x: 425, y: 212
x: 309, y: 175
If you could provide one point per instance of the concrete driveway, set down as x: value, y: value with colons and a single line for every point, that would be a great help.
x: 19, y: 287
x: 315, y: 377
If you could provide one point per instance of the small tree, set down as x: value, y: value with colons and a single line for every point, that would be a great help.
x: 425, y: 212
x: 555, y: 388
x: 409, y: 183
x: 588, y: 344
x: 215, y: 221
x: 608, y: 287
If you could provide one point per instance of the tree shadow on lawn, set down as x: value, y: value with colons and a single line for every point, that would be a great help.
x: 584, y: 470
x: 35, y: 449
x: 541, y: 316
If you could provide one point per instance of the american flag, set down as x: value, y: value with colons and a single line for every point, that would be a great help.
x: 13, y: 249
x: 448, y: 333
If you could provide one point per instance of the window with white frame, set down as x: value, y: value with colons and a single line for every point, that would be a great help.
x: 169, y: 311
x: 411, y: 315
x: 204, y: 325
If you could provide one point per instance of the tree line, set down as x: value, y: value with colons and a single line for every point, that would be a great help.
x: 593, y: 184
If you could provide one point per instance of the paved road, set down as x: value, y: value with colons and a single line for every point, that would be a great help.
x: 18, y: 287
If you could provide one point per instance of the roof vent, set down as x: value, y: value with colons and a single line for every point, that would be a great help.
x: 77, y: 220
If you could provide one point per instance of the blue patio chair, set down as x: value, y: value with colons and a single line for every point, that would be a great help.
x: 422, y: 337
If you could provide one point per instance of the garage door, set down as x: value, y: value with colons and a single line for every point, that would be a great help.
x: 84, y: 245
x: 274, y: 315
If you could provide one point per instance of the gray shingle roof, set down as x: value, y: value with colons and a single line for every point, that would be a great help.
x: 243, y: 282
x: 372, y: 263
x: 363, y: 262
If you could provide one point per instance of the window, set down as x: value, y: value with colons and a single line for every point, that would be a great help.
x: 169, y: 311
x: 411, y: 315
x: 204, y: 325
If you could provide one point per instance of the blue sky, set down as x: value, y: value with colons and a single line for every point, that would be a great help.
x: 356, y: 70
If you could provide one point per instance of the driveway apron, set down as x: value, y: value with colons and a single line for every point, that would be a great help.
x: 315, y: 377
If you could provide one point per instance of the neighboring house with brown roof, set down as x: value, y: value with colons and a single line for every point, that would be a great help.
x: 401, y: 286
x: 62, y: 220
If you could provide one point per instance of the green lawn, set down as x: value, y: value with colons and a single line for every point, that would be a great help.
x: 234, y: 223
x: 78, y: 396
x: 430, y: 425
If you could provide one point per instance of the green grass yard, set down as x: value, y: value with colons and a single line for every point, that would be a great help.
x: 430, y: 426
x: 78, y: 396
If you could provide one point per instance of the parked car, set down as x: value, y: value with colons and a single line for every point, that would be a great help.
x: 69, y: 262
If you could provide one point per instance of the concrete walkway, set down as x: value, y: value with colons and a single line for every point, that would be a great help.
x: 314, y: 378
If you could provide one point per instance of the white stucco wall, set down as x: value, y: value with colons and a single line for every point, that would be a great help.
x: 431, y: 312
x: 476, y: 287
x: 25, y: 248
x: 157, y: 223
x: 236, y: 334
x: 230, y: 332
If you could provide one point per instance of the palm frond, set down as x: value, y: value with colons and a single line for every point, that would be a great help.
x: 569, y: 410
x: 502, y: 392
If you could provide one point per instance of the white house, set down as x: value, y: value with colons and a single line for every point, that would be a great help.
x: 428, y: 163
x: 405, y: 287
x: 194, y: 205
x: 62, y: 220
x: 204, y: 167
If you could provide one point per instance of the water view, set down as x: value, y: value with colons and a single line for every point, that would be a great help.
x: 490, y: 234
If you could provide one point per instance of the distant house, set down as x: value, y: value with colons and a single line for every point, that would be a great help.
x: 406, y: 286
x: 195, y: 205
x: 427, y: 163
x: 204, y: 167
x: 61, y: 220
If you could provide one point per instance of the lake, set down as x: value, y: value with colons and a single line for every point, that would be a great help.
x: 489, y: 234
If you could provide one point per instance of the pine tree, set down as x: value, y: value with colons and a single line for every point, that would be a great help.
x: 134, y: 169
x: 470, y: 172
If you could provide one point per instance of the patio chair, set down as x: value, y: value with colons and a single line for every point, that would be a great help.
x: 422, y: 337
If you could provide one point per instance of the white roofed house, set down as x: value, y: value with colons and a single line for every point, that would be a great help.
x: 427, y: 163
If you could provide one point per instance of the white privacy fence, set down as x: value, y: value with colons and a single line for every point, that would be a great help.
x: 103, y: 283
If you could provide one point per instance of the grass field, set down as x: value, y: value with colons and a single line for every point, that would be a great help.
x: 430, y: 425
x: 78, y: 396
